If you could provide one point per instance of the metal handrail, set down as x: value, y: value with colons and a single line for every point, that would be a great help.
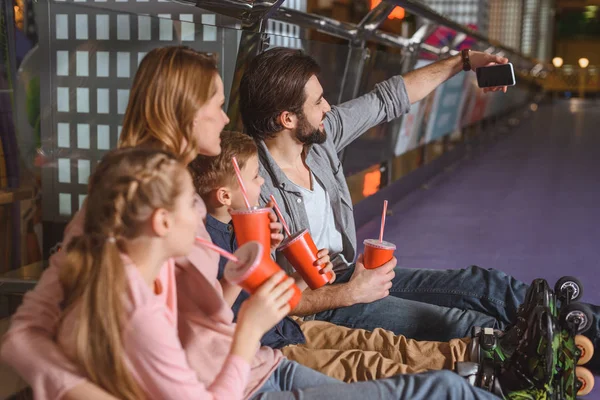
x: 252, y: 11
x: 343, y: 30
x: 427, y: 12
x: 520, y: 60
x: 348, y: 31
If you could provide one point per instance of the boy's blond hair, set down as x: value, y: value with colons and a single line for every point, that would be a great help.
x: 211, y: 173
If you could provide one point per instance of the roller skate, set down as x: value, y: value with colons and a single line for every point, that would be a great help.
x: 539, y: 356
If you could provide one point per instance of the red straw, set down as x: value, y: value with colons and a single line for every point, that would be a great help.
x: 383, y: 221
x: 278, y: 211
x: 238, y: 173
x: 216, y: 248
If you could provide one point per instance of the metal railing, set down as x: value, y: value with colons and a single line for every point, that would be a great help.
x: 253, y: 13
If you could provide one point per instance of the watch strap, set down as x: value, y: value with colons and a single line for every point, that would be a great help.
x: 464, y: 54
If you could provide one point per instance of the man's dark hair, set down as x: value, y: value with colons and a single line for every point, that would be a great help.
x: 273, y: 83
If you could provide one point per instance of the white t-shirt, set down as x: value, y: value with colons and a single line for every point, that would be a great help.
x: 322, y: 228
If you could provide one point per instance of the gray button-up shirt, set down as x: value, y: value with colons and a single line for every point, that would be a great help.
x: 343, y: 124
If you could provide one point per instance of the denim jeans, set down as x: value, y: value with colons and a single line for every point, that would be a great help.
x: 293, y: 381
x: 440, y: 305
x: 411, y: 318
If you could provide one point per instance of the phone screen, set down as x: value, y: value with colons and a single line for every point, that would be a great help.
x: 495, y: 75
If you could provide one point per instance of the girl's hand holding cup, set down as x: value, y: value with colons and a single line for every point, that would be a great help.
x: 267, y: 306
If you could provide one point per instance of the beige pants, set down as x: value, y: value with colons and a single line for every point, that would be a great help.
x: 355, y: 355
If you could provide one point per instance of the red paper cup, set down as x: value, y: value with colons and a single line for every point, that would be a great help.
x: 377, y: 253
x: 254, y: 269
x: 301, y: 252
x: 252, y: 226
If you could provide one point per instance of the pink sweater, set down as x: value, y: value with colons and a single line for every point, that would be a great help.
x: 205, y: 324
x: 153, y: 350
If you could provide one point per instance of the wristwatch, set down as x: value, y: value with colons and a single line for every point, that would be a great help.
x: 464, y: 54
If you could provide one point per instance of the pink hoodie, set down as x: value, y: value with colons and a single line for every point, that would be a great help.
x: 153, y: 350
x: 205, y: 324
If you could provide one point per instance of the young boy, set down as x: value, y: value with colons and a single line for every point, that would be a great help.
x: 346, y: 354
x: 216, y: 183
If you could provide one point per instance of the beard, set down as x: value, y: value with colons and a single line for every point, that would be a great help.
x: 308, y: 134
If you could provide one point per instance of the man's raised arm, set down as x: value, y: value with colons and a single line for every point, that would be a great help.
x: 420, y: 82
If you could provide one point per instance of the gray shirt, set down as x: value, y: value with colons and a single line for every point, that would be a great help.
x: 343, y: 124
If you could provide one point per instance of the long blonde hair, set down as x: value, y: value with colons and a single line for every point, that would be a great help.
x: 128, y: 185
x: 169, y: 87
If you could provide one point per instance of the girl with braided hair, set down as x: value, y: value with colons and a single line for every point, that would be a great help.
x: 141, y: 212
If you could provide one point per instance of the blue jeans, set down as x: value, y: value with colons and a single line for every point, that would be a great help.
x: 293, y: 381
x: 411, y: 318
x: 440, y: 305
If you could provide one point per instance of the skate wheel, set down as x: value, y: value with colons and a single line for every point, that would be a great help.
x: 569, y: 287
x: 577, y: 315
x: 586, y: 378
x: 586, y: 347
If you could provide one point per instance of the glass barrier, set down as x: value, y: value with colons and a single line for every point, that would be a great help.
x: 377, y: 144
x: 92, y: 56
x: 73, y: 87
x: 69, y: 99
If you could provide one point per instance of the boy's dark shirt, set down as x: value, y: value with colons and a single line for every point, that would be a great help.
x: 286, y: 332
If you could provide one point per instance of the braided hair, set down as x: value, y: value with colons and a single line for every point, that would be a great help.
x: 127, y: 186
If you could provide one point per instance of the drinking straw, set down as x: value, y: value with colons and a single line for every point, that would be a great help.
x: 238, y: 174
x: 385, y: 203
x: 224, y: 253
x: 278, y: 211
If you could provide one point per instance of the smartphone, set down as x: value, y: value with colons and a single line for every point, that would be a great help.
x: 496, y: 75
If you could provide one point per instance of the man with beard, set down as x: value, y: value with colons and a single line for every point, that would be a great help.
x: 299, y: 136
